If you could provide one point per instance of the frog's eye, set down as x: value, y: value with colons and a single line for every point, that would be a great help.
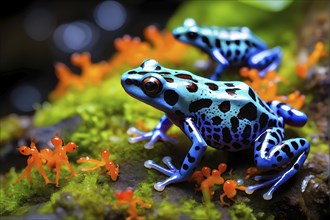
x: 151, y: 86
x: 192, y: 35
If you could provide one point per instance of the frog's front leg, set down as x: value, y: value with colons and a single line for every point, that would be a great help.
x: 190, y: 162
x: 222, y: 64
x: 271, y: 152
x: 158, y: 133
x: 266, y: 60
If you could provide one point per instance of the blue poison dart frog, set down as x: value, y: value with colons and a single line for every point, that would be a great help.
x: 225, y: 115
x: 230, y: 46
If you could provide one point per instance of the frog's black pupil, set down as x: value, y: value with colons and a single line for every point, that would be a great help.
x: 192, y: 35
x: 150, y: 86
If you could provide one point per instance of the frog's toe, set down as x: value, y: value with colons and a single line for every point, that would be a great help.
x: 149, y: 145
x: 148, y: 164
x: 168, y: 162
x: 134, y: 131
x: 159, y: 186
x: 268, y: 195
x: 249, y: 190
x: 133, y: 140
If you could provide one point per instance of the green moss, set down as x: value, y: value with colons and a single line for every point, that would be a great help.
x: 200, y: 211
x: 17, y: 199
x: 83, y: 197
x: 240, y: 211
x: 186, y: 209
x: 166, y: 210
x: 145, y: 188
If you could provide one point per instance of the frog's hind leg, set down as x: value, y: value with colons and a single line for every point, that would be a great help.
x: 266, y: 60
x: 271, y: 152
x: 290, y: 115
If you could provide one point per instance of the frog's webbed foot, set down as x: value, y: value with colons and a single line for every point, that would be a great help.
x: 153, y: 136
x: 172, y: 172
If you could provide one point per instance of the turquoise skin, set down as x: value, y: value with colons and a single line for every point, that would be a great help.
x: 230, y: 46
x: 227, y: 116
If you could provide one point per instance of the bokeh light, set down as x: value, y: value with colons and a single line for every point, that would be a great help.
x: 39, y: 23
x: 24, y: 97
x: 110, y: 15
x: 76, y: 36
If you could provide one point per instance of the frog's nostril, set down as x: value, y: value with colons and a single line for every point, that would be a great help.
x: 136, y: 83
x: 132, y: 81
x: 128, y: 81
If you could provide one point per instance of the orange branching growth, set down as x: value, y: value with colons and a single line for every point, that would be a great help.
x: 126, y: 198
x: 207, y: 181
x: 91, y: 73
x: 53, y: 159
x: 159, y: 45
x: 105, y: 164
x: 57, y: 158
x: 34, y: 160
x: 229, y: 190
x: 267, y: 87
x: 318, y: 53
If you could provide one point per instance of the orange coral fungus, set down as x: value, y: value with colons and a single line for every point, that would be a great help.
x: 130, y: 51
x: 267, y: 87
x: 206, y: 180
x: 229, y: 190
x: 58, y: 157
x: 126, y: 198
x: 91, y: 73
x: 161, y: 46
x: 318, y: 52
x: 34, y: 160
x: 105, y: 164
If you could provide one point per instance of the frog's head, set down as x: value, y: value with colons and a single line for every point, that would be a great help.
x: 149, y: 83
x: 190, y: 33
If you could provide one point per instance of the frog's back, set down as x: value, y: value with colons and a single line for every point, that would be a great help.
x: 233, y: 35
x: 229, y: 115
